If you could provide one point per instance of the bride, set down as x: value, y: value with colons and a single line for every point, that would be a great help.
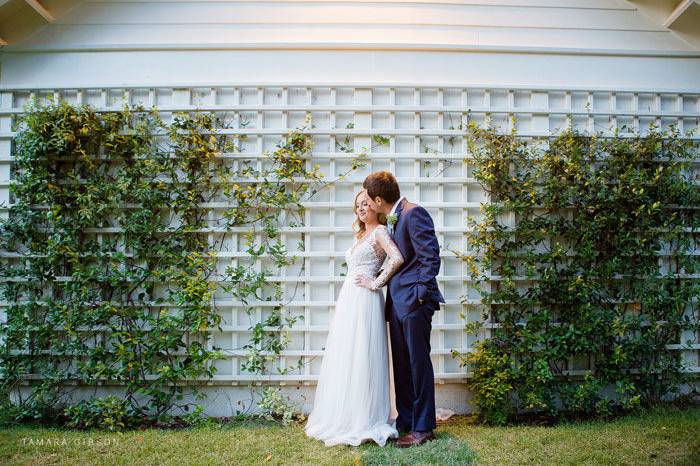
x: 352, y: 401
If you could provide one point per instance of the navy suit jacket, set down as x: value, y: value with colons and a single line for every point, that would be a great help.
x: 414, y: 234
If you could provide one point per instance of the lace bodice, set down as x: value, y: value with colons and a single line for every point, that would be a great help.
x: 367, y: 255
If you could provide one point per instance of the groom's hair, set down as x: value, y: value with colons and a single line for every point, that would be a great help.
x: 384, y: 185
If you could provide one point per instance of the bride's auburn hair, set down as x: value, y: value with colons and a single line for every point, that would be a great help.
x: 359, y: 226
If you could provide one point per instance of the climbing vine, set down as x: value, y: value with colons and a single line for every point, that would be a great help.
x: 100, y: 286
x: 585, y: 258
x: 112, y: 254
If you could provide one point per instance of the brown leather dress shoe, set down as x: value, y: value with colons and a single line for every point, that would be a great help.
x: 414, y: 438
x: 402, y: 432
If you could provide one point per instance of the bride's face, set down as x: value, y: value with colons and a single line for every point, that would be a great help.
x: 363, y: 209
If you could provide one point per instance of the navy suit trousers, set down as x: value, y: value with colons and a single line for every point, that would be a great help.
x: 413, y: 370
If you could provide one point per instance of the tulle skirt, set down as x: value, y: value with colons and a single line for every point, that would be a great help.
x: 352, y: 402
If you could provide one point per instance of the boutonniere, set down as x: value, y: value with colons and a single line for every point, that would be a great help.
x: 391, y: 219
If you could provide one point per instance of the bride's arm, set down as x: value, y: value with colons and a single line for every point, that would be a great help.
x: 394, y: 261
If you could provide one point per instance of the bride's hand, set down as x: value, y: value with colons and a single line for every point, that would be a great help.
x: 364, y: 281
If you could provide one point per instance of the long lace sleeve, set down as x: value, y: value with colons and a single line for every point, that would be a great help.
x: 383, y: 241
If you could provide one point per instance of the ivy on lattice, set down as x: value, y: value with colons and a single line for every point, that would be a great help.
x: 584, y: 258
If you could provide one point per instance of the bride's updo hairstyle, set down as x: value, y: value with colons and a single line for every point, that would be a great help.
x: 359, y: 226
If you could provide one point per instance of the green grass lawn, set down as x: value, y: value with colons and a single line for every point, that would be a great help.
x: 657, y: 437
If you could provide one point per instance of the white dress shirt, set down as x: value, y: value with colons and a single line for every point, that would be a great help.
x: 393, y: 211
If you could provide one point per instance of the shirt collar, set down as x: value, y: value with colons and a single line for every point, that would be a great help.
x: 393, y: 209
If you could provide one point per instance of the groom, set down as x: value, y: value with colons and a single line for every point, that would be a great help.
x: 412, y: 298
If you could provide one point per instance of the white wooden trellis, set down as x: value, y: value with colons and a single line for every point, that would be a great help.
x: 423, y: 151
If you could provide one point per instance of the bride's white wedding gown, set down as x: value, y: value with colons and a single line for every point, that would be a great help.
x: 352, y: 402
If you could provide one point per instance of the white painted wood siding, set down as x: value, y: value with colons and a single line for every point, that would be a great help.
x: 401, y: 69
x: 514, y: 24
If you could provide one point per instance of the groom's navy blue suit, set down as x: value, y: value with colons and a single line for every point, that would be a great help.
x: 412, y: 299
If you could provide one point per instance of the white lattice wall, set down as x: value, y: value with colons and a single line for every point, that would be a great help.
x: 425, y: 152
